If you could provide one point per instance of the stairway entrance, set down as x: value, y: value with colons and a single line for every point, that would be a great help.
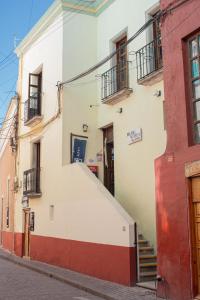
x: 147, y: 261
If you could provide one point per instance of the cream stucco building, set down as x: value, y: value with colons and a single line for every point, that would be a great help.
x: 110, y: 120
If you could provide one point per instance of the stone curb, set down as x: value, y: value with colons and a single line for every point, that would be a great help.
x: 75, y: 284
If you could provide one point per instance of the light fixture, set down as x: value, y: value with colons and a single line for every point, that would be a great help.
x: 157, y: 93
x: 85, y: 127
x: 119, y: 110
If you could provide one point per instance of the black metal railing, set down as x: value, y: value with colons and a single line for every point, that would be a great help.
x: 31, y: 181
x: 32, y: 108
x: 149, y: 59
x: 114, y: 80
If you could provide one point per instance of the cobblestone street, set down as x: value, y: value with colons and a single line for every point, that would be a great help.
x: 18, y: 283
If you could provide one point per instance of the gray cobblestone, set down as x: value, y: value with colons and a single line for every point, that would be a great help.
x: 92, y: 287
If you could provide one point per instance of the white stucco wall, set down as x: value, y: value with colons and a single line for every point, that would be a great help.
x: 83, y: 209
x: 80, y: 201
x: 134, y: 164
x: 46, y: 53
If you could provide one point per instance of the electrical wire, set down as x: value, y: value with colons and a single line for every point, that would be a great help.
x: 146, y: 25
x: 6, y: 57
x: 68, y: 17
x: 109, y: 57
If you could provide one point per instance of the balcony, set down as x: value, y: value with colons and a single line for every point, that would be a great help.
x: 32, y: 111
x: 149, y: 63
x: 31, y: 183
x: 115, y: 84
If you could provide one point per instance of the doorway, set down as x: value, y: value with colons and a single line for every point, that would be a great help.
x: 26, y: 243
x: 122, y: 69
x: 109, y: 177
x: 195, y: 233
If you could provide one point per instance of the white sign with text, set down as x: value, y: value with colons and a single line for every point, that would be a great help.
x: 134, y: 135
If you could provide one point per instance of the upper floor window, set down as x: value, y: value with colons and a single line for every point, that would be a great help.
x: 149, y: 58
x: 33, y: 104
x: 116, y: 79
x: 194, y: 82
x: 32, y: 176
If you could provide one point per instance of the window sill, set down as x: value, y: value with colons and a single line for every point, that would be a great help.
x: 115, y: 98
x: 152, y: 78
x: 33, y: 121
x: 33, y: 195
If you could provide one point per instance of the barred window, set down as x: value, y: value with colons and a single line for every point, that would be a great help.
x: 194, y: 60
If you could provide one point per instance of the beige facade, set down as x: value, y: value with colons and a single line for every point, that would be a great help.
x: 67, y: 201
x: 7, y: 176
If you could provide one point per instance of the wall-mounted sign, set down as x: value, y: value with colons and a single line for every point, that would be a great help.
x: 25, y: 202
x: 134, y: 135
x: 94, y: 170
x: 78, y: 148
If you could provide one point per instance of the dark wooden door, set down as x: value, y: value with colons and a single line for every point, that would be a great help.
x: 26, y: 244
x: 109, y: 177
x: 157, y: 41
x: 122, y: 72
x: 195, y: 218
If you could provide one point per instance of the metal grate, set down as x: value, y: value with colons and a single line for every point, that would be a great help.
x: 31, y: 181
x: 115, y: 80
x: 32, y: 108
x: 149, y: 59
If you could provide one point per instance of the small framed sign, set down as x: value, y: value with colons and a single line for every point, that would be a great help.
x: 134, y: 136
x: 94, y: 170
x: 78, y: 148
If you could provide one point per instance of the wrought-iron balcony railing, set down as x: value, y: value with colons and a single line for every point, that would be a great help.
x: 32, y: 108
x: 115, y: 80
x: 31, y: 182
x: 149, y: 59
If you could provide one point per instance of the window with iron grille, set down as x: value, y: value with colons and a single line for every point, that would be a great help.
x: 33, y: 104
x: 194, y: 82
x: 32, y: 176
x: 149, y: 58
x: 116, y: 79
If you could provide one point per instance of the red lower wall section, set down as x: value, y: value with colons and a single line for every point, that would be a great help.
x: 108, y: 262
x: 12, y: 242
x: 173, y: 232
x: 112, y: 263
x: 8, y: 240
x: 19, y: 243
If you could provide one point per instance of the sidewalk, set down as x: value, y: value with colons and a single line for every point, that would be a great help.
x: 104, y: 289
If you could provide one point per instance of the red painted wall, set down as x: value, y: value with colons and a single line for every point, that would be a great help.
x: 19, y: 243
x: 173, y: 232
x: 112, y: 263
x: 8, y: 240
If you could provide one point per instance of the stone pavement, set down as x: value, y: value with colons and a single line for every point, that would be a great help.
x: 97, y: 287
x: 19, y: 283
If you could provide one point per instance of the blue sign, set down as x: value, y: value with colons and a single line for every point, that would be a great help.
x: 79, y: 150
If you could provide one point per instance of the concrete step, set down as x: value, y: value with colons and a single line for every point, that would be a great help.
x: 140, y: 236
x: 148, y: 267
x: 143, y: 242
x: 148, y: 276
x: 146, y: 250
x: 147, y: 256
x: 149, y: 264
x: 150, y: 285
